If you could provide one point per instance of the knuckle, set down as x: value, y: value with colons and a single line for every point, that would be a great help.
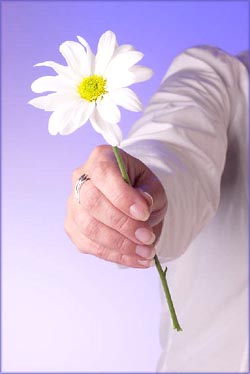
x: 118, y: 197
x: 122, y: 244
x: 83, y: 245
x: 89, y: 228
x: 130, y: 262
x: 124, y: 259
x: 91, y: 199
x: 120, y: 222
x: 100, y: 171
x: 99, y: 151
x: 127, y: 260
x: 80, y: 220
x: 109, y: 255
x: 118, y: 258
x: 102, y: 253
x: 114, y: 256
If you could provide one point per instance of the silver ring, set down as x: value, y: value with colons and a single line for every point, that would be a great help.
x: 83, y: 178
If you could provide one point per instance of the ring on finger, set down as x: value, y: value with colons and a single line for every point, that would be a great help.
x: 83, y: 178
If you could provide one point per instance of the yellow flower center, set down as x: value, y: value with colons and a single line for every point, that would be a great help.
x: 92, y: 87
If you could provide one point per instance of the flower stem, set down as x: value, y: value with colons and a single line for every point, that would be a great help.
x: 164, y: 282
x: 162, y: 273
x: 121, y: 165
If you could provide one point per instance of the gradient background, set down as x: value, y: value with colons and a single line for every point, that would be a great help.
x: 63, y: 311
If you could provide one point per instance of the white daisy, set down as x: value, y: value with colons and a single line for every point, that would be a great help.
x: 91, y: 87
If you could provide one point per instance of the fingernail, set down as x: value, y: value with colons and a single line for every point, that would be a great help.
x: 146, y: 263
x: 145, y: 236
x: 145, y: 251
x: 149, y: 198
x: 139, y: 212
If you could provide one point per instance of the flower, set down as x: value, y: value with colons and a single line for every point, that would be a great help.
x: 91, y: 87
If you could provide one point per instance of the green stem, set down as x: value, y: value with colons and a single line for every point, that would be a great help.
x: 162, y: 273
x: 121, y: 165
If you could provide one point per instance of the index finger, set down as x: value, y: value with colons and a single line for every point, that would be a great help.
x: 107, y: 177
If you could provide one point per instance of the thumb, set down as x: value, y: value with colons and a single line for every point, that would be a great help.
x: 148, y: 198
x: 157, y: 208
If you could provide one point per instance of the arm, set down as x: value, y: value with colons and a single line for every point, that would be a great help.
x: 182, y: 138
x: 179, y: 147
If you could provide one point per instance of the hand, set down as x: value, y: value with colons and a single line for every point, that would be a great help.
x: 115, y: 221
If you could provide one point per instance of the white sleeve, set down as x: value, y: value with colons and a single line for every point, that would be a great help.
x: 182, y: 138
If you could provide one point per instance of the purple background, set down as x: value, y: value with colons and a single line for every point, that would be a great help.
x: 63, y: 311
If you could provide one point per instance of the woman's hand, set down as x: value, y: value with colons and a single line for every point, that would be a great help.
x: 115, y: 221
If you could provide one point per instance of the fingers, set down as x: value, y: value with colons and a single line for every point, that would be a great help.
x: 107, y: 226
x: 115, y: 221
x: 123, y: 197
x: 102, y: 234
x: 155, y: 196
x: 95, y: 205
x: 106, y: 176
x: 88, y: 246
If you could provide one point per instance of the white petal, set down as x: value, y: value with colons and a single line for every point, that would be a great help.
x: 123, y: 48
x: 50, y: 83
x: 79, y: 117
x: 58, y: 68
x: 54, y: 101
x: 39, y: 102
x: 90, y: 55
x: 108, y: 110
x: 141, y: 73
x: 76, y: 58
x: 122, y: 62
x: 119, y: 80
x: 127, y: 99
x: 105, y: 51
x: 59, y: 119
x: 110, y: 131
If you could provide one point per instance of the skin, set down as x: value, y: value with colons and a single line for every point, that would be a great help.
x: 104, y: 224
